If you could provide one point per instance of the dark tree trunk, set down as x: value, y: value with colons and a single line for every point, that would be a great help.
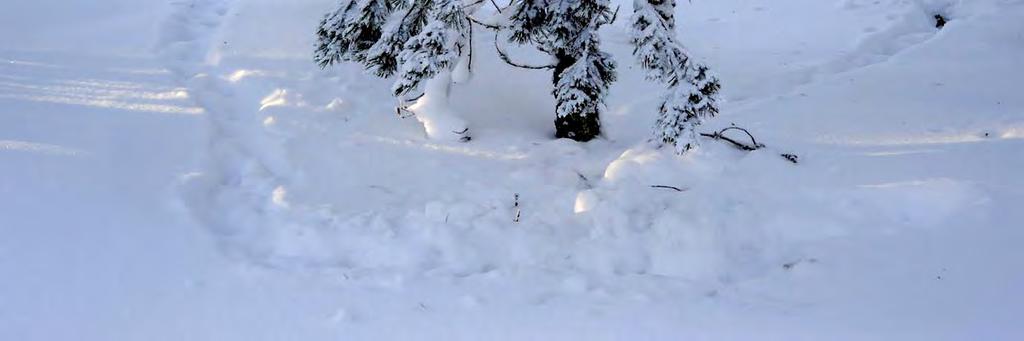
x: 578, y: 126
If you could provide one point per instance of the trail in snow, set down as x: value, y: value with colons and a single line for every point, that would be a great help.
x: 187, y: 39
x: 889, y: 29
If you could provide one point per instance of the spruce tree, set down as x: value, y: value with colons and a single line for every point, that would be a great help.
x: 567, y: 31
x: 691, y: 91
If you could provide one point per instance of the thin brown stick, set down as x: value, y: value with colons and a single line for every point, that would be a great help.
x: 677, y: 189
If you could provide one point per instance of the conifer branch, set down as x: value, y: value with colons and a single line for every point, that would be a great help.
x: 481, y: 23
x: 477, y: 2
x: 508, y: 60
x: 615, y: 15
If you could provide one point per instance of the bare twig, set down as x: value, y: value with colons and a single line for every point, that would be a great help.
x: 677, y: 189
x: 465, y: 137
x: 404, y: 112
x: 416, y: 98
x: 583, y: 178
x: 515, y: 205
x: 720, y: 135
x: 791, y: 157
x: 496, y: 6
x: 754, y: 141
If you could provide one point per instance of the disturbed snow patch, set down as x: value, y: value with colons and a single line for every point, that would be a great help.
x: 305, y: 183
x: 309, y: 169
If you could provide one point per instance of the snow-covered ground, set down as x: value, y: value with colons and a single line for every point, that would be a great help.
x: 183, y: 171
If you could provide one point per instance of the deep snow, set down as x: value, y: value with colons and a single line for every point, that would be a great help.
x: 199, y: 178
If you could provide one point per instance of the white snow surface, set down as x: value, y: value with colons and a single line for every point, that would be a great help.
x: 183, y: 171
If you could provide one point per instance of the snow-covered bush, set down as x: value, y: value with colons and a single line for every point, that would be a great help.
x: 417, y: 40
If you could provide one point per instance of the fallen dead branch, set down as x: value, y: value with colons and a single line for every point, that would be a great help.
x: 752, y: 146
x: 720, y: 135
